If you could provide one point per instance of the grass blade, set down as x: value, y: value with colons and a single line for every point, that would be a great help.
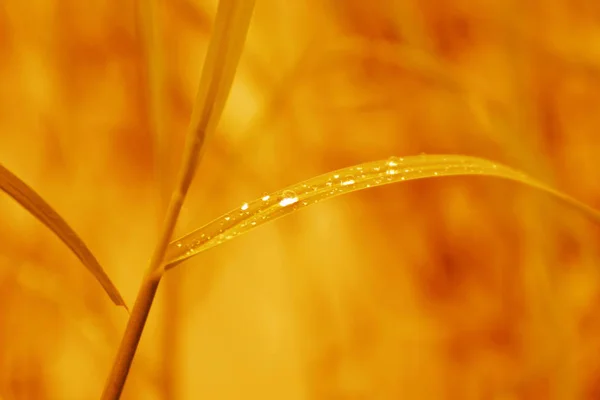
x: 224, y: 51
x: 32, y: 202
x: 362, y: 176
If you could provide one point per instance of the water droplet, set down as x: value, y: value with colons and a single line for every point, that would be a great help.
x: 348, y: 180
x: 227, y: 218
x: 391, y: 171
x: 392, y: 161
x: 179, y: 245
x: 265, y: 197
x: 288, y: 197
x: 245, y: 206
x: 336, y: 176
x: 253, y: 223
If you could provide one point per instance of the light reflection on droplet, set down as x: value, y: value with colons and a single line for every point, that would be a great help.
x: 348, y: 180
x: 391, y: 172
x: 245, y: 206
x: 266, y: 197
x: 227, y: 218
x: 287, y: 201
x: 289, y: 197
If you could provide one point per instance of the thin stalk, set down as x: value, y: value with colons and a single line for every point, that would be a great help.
x: 224, y: 51
x: 131, y: 338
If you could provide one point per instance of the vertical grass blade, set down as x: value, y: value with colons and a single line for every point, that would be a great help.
x: 224, y: 51
x: 363, y: 176
x: 37, y: 206
x: 222, y: 58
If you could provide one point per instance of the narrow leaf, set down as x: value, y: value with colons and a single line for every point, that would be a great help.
x: 32, y: 202
x: 362, y: 176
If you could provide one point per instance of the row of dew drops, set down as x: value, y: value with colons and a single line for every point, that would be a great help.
x: 270, y: 207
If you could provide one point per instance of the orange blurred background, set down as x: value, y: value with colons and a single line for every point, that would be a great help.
x: 454, y: 288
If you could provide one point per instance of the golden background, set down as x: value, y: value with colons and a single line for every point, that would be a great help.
x: 453, y: 288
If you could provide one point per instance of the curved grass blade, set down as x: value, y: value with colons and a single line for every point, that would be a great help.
x: 362, y: 176
x: 32, y: 202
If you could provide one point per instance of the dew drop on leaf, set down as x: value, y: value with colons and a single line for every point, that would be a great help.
x: 288, y: 197
x: 393, y: 161
x: 348, y: 180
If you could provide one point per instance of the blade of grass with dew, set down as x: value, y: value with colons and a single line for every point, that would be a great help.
x: 40, y: 209
x: 363, y: 176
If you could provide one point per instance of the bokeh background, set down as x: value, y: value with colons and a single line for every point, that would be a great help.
x: 452, y: 288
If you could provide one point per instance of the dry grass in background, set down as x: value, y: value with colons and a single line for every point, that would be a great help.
x: 454, y: 288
